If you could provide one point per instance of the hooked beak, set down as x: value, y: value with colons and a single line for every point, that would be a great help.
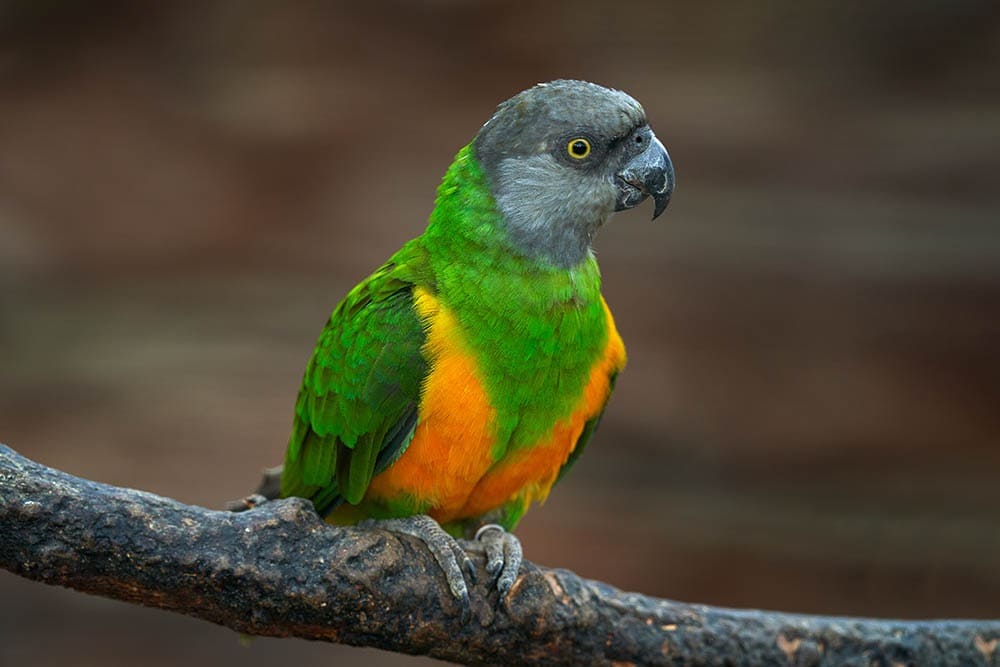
x: 649, y: 174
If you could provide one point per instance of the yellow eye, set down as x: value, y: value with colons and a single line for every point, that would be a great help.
x: 578, y: 148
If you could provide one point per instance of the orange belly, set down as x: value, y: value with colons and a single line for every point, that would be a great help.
x: 530, y: 472
x: 449, y: 464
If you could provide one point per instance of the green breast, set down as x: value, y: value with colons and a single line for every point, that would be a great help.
x: 535, y: 329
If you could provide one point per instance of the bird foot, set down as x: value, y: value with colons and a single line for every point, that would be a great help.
x: 503, y: 556
x: 448, y: 553
x: 246, y: 503
x: 269, y: 489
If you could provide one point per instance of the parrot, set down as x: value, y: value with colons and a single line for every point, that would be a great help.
x: 454, y: 386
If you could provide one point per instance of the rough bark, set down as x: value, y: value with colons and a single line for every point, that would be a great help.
x: 278, y: 570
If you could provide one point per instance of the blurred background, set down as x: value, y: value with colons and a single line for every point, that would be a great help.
x: 811, y: 416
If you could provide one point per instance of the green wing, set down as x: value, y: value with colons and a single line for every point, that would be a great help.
x: 358, y: 405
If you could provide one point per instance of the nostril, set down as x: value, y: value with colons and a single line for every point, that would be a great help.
x: 634, y: 179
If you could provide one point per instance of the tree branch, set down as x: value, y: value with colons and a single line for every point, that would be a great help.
x: 279, y: 571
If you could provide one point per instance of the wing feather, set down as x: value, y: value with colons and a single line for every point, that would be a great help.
x: 358, y: 404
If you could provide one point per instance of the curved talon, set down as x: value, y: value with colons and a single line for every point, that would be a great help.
x: 247, y: 503
x: 503, y: 555
x: 513, y: 555
x: 448, y: 553
x: 470, y: 570
x: 493, y: 545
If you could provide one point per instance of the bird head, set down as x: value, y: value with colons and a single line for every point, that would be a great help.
x: 561, y: 157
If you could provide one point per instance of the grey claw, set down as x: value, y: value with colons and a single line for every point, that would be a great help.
x: 494, y: 558
x: 513, y: 555
x: 450, y: 556
x: 466, y: 604
x: 503, y: 556
x: 491, y: 537
x: 470, y: 571
x: 247, y: 503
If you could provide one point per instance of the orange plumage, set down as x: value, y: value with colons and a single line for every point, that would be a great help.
x: 449, y: 463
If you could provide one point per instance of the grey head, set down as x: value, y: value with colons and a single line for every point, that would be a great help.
x: 561, y: 157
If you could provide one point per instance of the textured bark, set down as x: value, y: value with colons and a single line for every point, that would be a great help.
x: 278, y: 570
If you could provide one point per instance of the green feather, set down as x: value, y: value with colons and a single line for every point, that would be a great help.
x: 535, y: 330
x: 362, y: 383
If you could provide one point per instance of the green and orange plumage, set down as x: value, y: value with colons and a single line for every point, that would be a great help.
x: 463, y: 376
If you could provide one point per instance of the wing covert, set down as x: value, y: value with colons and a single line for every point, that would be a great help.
x: 359, y: 401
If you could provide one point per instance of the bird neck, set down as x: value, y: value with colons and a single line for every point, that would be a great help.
x: 471, y: 250
x: 534, y: 328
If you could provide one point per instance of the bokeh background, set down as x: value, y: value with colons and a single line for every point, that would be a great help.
x: 811, y: 416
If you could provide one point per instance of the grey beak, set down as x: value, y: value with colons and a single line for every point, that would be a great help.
x: 648, y: 174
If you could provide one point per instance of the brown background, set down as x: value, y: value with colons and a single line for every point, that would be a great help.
x: 811, y: 416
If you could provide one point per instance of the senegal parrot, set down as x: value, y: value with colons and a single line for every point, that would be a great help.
x: 454, y: 386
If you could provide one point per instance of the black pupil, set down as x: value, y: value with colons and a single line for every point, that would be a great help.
x: 579, y: 148
x: 638, y: 139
